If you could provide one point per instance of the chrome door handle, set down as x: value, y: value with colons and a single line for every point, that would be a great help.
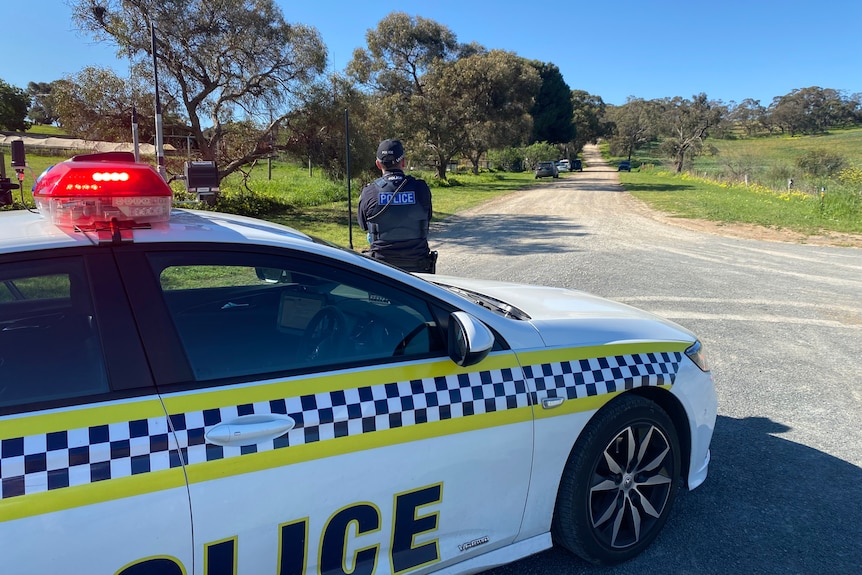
x: 248, y: 429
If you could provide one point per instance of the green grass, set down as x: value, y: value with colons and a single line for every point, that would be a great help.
x: 772, y: 161
x: 716, y: 190
x: 317, y: 206
x: 689, y: 196
x: 46, y: 131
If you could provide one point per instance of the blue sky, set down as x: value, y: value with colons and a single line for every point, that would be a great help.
x: 731, y: 50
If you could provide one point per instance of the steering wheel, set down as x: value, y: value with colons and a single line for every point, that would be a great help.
x: 325, y: 334
x: 402, y: 345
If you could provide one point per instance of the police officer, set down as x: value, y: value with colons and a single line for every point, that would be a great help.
x: 395, y: 210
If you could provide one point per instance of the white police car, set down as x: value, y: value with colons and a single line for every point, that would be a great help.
x: 193, y: 392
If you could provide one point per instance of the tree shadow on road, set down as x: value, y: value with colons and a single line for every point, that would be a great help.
x: 505, y: 234
x: 769, y: 506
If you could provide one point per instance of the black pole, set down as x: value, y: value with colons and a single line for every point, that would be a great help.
x: 135, y: 134
x: 349, y: 201
x: 160, y: 145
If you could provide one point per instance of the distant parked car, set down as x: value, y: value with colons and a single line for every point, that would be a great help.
x: 547, y: 169
x: 624, y: 166
x: 563, y: 166
x: 577, y: 166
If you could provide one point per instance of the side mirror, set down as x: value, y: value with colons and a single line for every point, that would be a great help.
x: 269, y: 275
x: 469, y: 339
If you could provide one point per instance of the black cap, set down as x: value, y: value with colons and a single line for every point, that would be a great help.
x: 390, y: 152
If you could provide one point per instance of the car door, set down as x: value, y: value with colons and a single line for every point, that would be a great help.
x: 90, y: 480
x: 323, y: 425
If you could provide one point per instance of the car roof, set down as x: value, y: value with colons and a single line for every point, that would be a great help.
x: 24, y: 230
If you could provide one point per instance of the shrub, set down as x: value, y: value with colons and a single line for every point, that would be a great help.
x: 821, y: 163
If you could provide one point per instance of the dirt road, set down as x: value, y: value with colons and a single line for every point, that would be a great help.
x: 589, y: 202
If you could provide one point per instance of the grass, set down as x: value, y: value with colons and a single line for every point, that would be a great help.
x: 689, y: 196
x: 715, y: 188
x: 317, y: 206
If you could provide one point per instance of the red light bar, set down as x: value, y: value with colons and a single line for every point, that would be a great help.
x: 85, y: 191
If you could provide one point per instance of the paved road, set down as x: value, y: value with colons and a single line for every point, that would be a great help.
x: 782, y: 324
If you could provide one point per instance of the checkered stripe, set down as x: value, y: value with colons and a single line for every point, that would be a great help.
x: 596, y: 376
x: 351, y: 412
x: 62, y: 459
x: 86, y: 455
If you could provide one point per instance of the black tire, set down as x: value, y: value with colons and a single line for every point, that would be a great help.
x: 614, y: 499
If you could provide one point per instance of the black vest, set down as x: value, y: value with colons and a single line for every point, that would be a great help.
x: 398, y: 216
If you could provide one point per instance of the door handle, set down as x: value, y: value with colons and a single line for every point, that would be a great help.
x: 552, y: 402
x: 248, y: 429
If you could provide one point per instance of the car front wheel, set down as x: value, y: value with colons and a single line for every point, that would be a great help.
x: 619, y: 482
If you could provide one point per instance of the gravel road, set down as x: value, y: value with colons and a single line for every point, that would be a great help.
x: 782, y: 325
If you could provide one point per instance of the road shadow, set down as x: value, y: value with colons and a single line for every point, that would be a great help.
x: 658, y: 187
x: 769, y: 506
x: 585, y: 183
x: 506, y: 234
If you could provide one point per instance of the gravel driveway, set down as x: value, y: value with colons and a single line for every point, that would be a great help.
x: 782, y: 324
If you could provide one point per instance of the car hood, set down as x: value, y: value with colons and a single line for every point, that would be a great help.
x: 565, y: 317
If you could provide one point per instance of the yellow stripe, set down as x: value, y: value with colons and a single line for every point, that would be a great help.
x: 80, y: 417
x: 200, y: 472
x: 582, y: 404
x: 307, y: 385
x: 90, y: 493
x: 578, y: 353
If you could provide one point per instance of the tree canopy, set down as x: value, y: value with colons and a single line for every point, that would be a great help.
x: 14, y: 103
x: 443, y: 97
x: 43, y: 109
x: 589, y: 113
x: 553, y: 112
x: 233, y: 66
x: 96, y: 104
x: 685, y: 124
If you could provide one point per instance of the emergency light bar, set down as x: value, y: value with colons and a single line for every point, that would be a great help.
x: 97, y: 188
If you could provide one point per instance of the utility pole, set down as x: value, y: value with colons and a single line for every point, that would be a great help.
x: 160, y: 144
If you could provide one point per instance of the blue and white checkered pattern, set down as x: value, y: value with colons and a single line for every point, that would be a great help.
x: 86, y: 455
x: 62, y: 459
x: 600, y: 375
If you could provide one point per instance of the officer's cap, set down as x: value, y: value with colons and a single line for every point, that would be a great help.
x: 390, y: 152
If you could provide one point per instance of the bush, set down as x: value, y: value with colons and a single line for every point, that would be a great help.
x: 507, y: 160
x: 253, y: 204
x: 820, y: 163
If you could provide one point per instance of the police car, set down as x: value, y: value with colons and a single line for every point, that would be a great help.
x: 195, y: 392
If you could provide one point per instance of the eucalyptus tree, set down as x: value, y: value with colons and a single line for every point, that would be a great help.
x: 811, y: 110
x: 96, y: 104
x: 497, y: 89
x: 43, y: 110
x: 684, y: 124
x: 227, y: 63
x: 318, y: 129
x: 445, y: 98
x: 492, y: 92
x: 632, y: 125
x: 588, y: 117
x: 750, y: 115
x: 397, y: 64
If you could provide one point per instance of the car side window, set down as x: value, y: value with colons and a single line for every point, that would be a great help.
x: 49, y: 341
x: 238, y: 318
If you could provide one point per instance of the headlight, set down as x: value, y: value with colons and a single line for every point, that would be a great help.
x: 697, y: 355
